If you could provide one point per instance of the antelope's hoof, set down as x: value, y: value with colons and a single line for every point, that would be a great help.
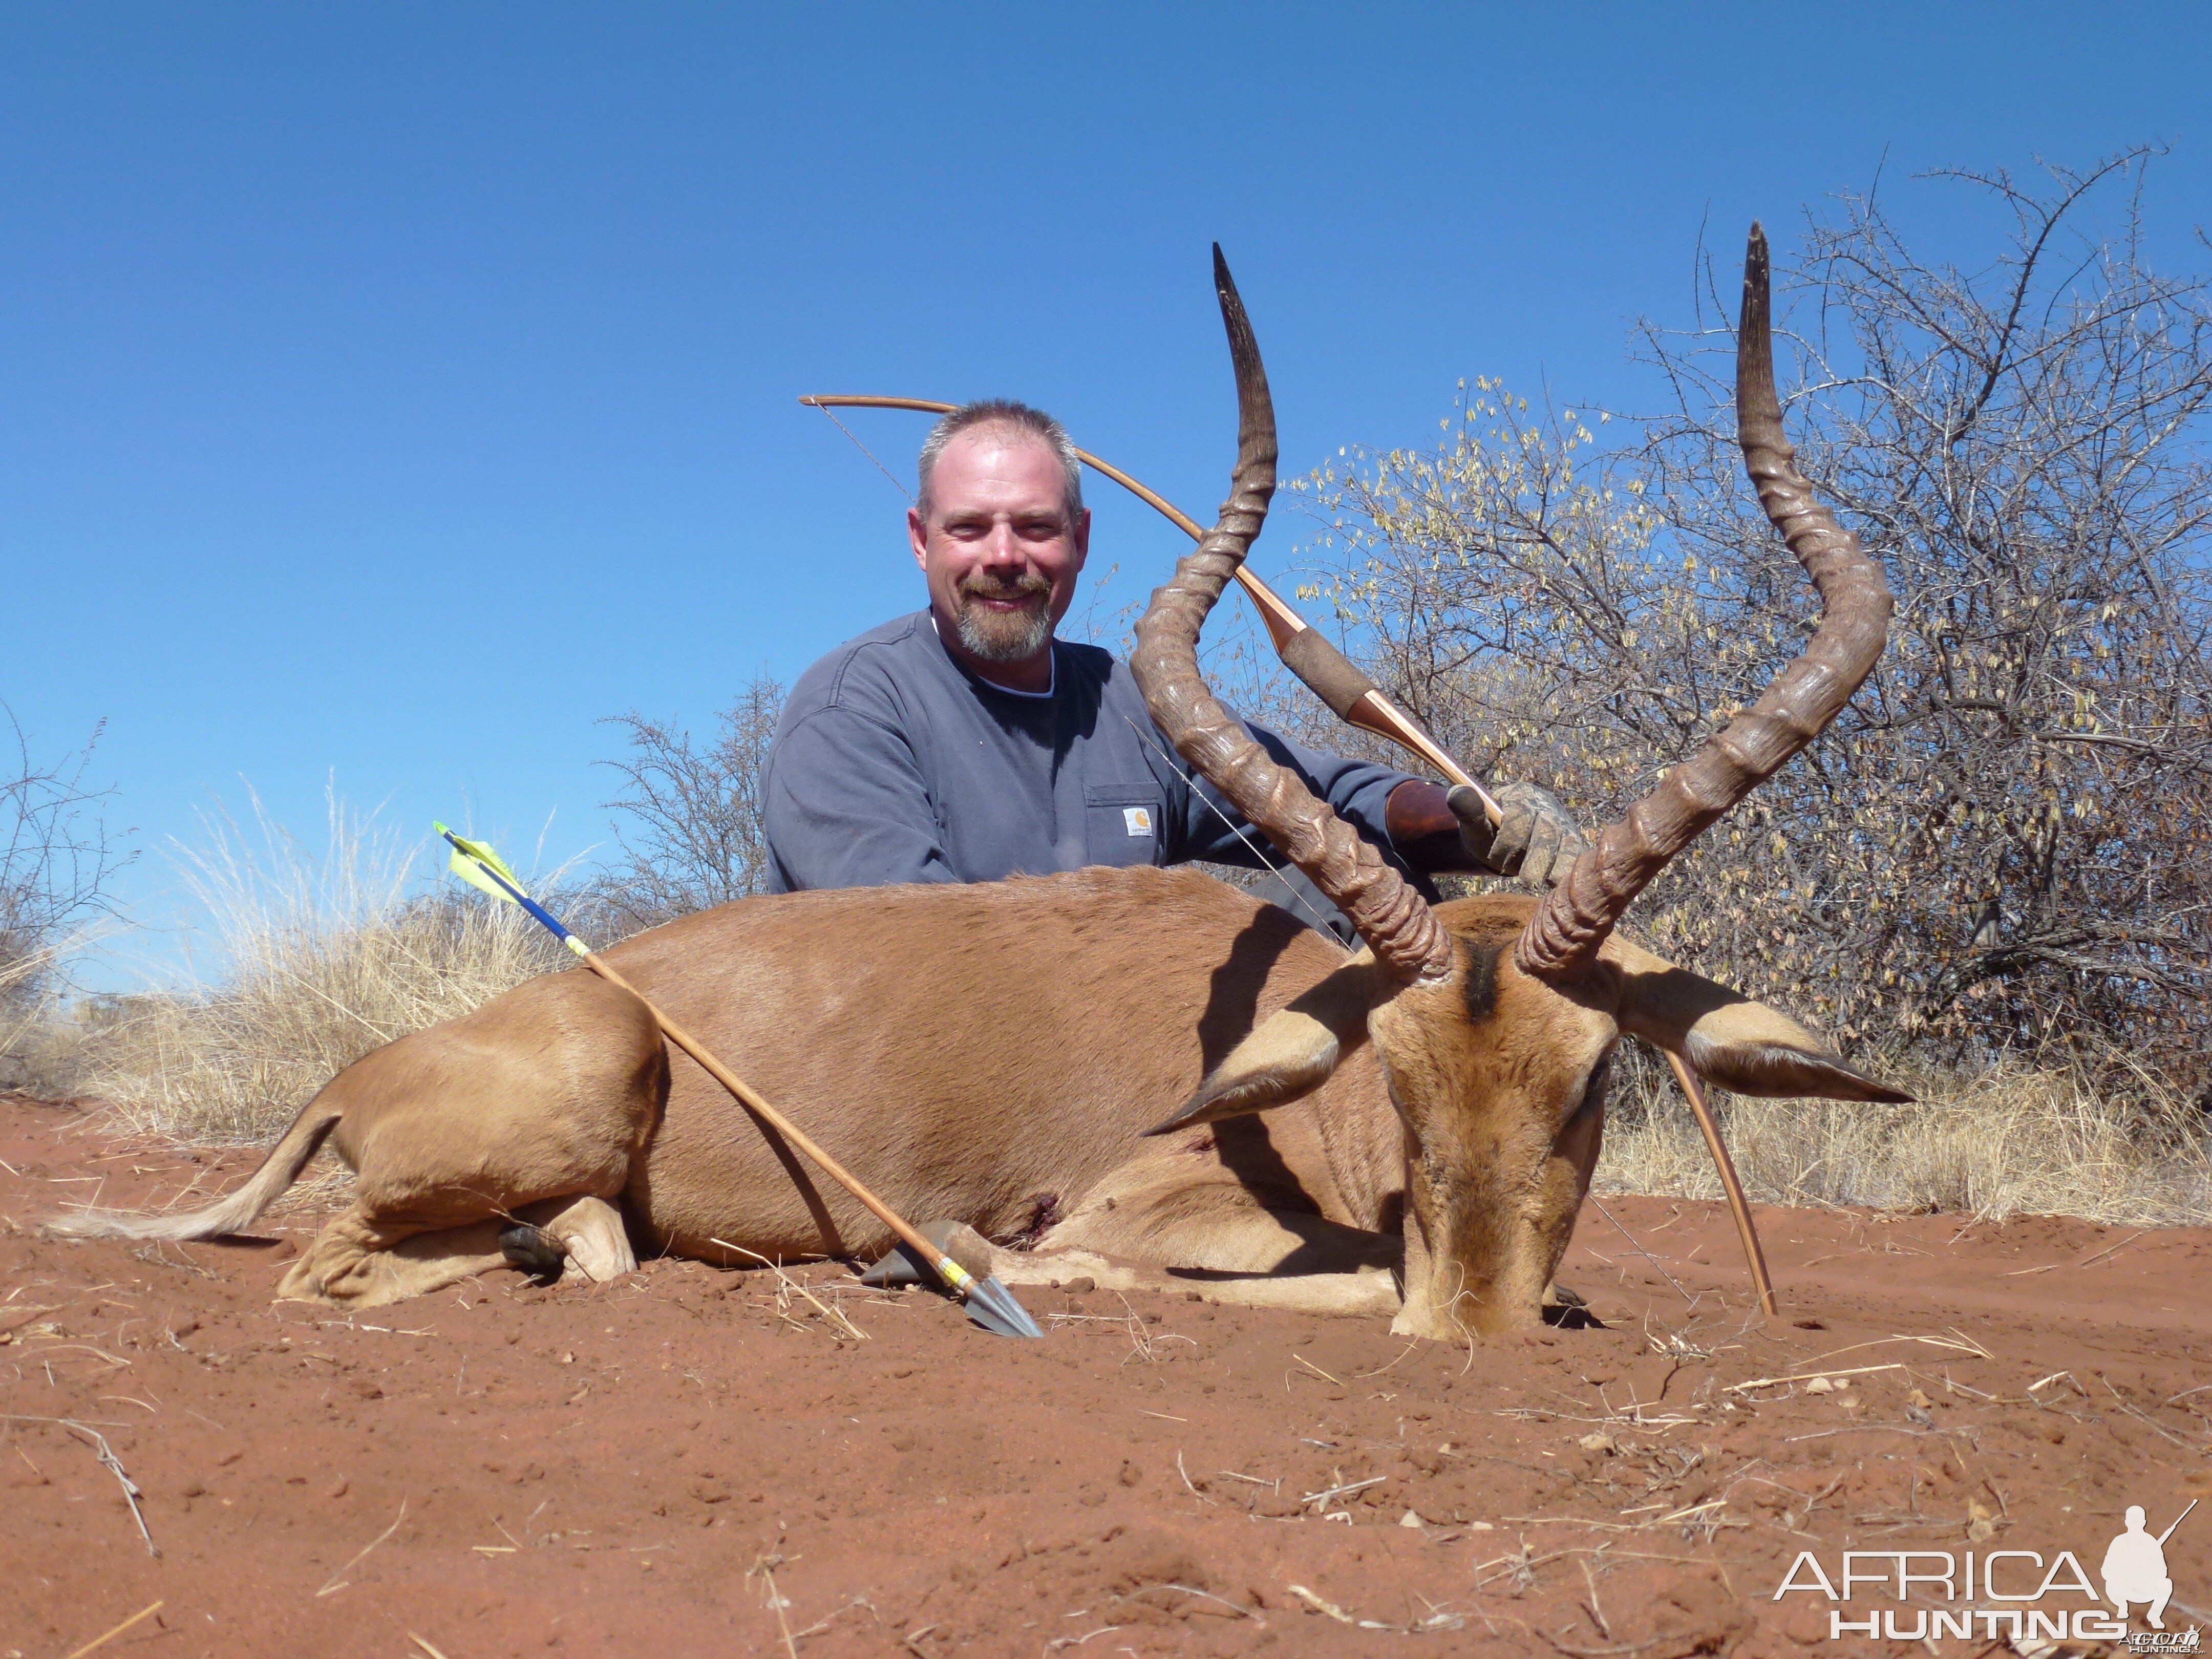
x: 534, y: 1252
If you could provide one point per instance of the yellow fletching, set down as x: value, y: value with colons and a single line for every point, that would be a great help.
x: 463, y: 863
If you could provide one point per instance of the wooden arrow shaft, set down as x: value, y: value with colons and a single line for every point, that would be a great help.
x: 1332, y: 676
x: 753, y: 1103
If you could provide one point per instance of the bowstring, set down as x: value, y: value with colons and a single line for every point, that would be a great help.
x: 865, y: 450
x: 1297, y: 897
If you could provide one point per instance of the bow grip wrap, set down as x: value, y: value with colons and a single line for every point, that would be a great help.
x: 1330, y: 674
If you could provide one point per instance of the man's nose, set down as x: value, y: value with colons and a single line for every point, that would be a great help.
x: 1000, y: 548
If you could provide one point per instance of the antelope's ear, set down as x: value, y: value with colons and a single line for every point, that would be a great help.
x: 1735, y: 1042
x: 1289, y: 1055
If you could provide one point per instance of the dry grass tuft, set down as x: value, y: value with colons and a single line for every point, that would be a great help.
x: 323, y: 959
x: 2005, y: 1141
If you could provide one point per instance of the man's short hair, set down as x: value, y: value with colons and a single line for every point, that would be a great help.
x: 1003, y: 411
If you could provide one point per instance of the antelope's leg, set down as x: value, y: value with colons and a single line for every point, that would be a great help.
x: 1206, y: 1218
x: 531, y: 1111
x: 1214, y: 1237
x: 355, y: 1263
x: 1363, y: 1292
x: 589, y: 1231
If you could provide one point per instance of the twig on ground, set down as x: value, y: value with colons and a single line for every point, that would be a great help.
x: 834, y: 1316
x: 1241, y: 1611
x: 1645, y: 1253
x: 1315, y: 1369
x: 1955, y: 1341
x: 2143, y: 1417
x: 1601, y: 1653
x: 831, y: 1617
x: 1597, y: 1610
x: 1361, y: 1376
x: 765, y: 1566
x: 2108, y: 1250
x: 336, y: 1581
x: 1342, y: 1490
x: 82, y: 1347
x: 1319, y: 1605
x: 1806, y: 1376
x: 1064, y: 1642
x: 424, y: 1645
x: 108, y: 1460
x: 1185, y: 1474
x: 109, y: 1636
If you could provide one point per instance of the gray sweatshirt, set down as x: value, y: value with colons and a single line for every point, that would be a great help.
x: 893, y: 763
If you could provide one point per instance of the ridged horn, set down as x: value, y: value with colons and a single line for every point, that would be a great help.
x: 1391, y: 915
x: 1562, y: 939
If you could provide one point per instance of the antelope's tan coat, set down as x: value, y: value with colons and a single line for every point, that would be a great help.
x: 984, y: 1054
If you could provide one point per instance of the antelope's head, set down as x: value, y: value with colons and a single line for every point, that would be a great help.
x: 1495, y: 1018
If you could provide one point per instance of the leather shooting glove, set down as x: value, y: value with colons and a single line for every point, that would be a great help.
x: 1537, y: 842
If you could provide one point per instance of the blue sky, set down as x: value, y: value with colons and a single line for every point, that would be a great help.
x: 392, y: 391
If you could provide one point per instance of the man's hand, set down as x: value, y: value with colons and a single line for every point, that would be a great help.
x: 1537, y: 842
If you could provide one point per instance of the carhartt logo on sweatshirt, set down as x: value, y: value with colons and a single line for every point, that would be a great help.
x: 1139, y: 818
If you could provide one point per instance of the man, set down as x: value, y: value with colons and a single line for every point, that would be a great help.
x: 964, y: 743
x: 2134, y: 1568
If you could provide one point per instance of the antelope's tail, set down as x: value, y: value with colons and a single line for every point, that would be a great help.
x: 226, y: 1215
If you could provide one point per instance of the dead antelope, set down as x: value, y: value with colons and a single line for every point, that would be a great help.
x: 1002, y: 1055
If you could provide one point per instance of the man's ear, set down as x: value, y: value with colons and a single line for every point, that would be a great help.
x: 1290, y: 1053
x: 1733, y: 1042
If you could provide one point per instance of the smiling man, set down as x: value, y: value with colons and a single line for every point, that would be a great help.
x: 964, y: 743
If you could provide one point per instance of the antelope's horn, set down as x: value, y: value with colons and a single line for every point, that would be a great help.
x: 1562, y: 939
x: 1405, y: 936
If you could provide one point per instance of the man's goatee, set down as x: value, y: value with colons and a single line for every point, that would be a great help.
x: 1004, y: 637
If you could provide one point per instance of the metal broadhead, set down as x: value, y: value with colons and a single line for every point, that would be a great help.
x: 992, y: 1305
x: 989, y: 1303
x: 901, y: 1265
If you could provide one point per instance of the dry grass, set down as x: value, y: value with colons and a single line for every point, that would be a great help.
x: 322, y: 958
x: 2005, y: 1141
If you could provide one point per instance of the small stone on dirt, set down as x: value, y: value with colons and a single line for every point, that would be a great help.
x: 1410, y: 1519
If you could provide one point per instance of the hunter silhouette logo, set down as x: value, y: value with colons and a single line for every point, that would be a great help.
x: 2134, y: 1567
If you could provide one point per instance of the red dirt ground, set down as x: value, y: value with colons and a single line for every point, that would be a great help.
x: 691, y: 1463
